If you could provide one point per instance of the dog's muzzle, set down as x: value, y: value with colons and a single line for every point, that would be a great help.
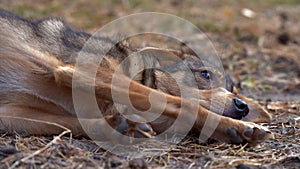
x: 241, y: 108
x: 237, y: 109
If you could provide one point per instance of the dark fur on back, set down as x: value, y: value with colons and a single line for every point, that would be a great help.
x: 52, y: 35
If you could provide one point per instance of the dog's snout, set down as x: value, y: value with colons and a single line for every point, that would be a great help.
x: 241, y: 106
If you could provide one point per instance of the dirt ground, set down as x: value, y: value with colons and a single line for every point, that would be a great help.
x: 260, y: 50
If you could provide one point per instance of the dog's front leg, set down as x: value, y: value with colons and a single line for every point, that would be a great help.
x: 231, y: 130
x: 228, y: 130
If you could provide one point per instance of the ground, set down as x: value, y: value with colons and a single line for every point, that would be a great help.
x: 261, y: 52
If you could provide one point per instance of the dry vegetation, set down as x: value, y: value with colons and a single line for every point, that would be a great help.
x: 261, y: 53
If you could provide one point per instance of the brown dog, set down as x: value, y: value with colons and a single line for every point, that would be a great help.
x: 37, y: 71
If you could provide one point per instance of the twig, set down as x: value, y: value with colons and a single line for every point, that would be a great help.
x: 15, y: 164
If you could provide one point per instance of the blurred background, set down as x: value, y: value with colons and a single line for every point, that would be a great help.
x: 214, y: 16
x: 259, y: 44
x: 258, y: 41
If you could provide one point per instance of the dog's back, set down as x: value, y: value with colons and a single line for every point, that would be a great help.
x: 30, y: 50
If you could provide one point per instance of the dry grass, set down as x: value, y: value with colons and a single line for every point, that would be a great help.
x: 263, y: 68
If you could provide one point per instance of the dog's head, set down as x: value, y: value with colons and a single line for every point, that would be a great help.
x: 215, y: 90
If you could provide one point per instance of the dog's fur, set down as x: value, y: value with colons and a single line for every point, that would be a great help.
x: 37, y: 68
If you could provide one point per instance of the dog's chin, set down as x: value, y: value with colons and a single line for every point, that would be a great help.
x: 257, y: 113
x: 233, y: 114
x: 233, y: 111
x: 227, y: 111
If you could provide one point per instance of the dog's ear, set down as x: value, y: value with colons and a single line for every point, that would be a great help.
x: 257, y: 113
x: 164, y: 57
x: 229, y: 84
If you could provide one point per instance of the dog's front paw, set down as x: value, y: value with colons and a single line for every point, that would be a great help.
x: 135, y: 127
x: 250, y: 133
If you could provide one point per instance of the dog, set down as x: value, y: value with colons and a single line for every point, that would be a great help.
x: 37, y: 77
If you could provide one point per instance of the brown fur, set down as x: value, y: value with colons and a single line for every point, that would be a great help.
x: 36, y: 79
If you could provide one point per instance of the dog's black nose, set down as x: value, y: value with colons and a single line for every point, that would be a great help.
x: 241, y: 107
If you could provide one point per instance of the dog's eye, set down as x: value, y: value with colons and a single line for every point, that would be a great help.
x: 206, y: 74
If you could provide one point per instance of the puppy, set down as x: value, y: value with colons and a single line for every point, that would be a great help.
x: 38, y: 76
